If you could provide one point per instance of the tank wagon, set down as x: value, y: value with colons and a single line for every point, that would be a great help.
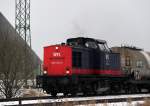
x: 89, y: 66
x: 134, y: 61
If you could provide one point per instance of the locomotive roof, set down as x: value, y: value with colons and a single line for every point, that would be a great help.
x: 132, y: 47
x: 83, y: 39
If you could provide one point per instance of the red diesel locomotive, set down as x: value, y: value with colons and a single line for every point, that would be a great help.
x: 84, y: 65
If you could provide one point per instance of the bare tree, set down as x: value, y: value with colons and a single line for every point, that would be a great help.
x: 17, y: 64
x: 14, y: 70
x: 10, y: 57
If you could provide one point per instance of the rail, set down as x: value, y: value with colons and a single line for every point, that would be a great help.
x: 58, y: 101
x: 20, y: 99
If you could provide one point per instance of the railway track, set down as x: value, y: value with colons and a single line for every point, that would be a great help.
x: 66, y: 101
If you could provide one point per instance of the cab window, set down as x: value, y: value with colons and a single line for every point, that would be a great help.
x: 90, y: 44
x: 103, y: 47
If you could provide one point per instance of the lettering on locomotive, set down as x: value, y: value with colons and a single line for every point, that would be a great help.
x: 56, y: 54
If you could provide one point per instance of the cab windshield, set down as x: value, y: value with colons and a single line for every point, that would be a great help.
x: 103, y: 47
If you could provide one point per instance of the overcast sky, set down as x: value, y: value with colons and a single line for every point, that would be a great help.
x: 116, y: 21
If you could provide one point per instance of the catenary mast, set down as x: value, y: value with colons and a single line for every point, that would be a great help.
x: 22, y: 20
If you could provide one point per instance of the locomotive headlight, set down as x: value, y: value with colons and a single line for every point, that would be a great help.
x: 67, y: 72
x: 45, y: 72
x: 56, y: 48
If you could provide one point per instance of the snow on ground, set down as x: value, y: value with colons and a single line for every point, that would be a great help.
x: 133, y: 103
x: 127, y: 103
x: 137, y: 103
x: 9, y: 103
x: 32, y: 93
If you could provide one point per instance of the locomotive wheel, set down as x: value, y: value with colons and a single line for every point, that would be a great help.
x: 65, y: 93
x: 74, y: 90
x: 132, y: 89
x: 149, y: 90
x: 127, y: 89
x: 73, y: 93
x: 85, y: 93
x: 54, y: 94
x: 88, y: 92
x: 94, y: 88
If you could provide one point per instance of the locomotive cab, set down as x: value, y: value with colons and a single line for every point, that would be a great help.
x: 97, y: 44
x: 92, y: 56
